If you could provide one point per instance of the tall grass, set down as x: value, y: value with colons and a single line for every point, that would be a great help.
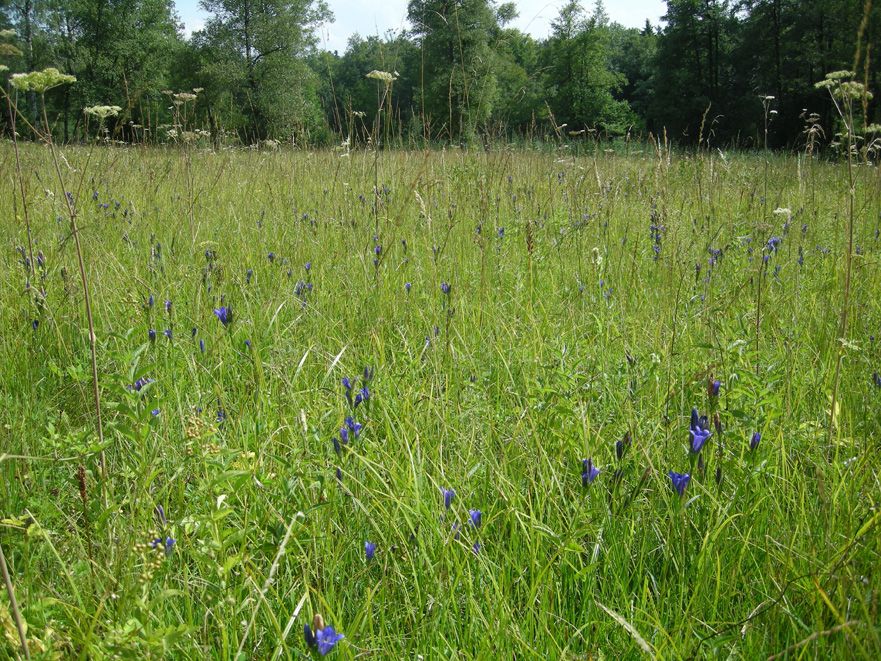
x: 564, y: 331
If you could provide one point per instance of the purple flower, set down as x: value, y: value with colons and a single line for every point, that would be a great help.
x: 167, y: 544
x: 347, y: 384
x: 224, y: 314
x: 354, y: 427
x: 476, y: 548
x: 407, y: 286
x: 448, y: 494
x: 271, y: 257
x: 876, y: 379
x: 247, y: 344
x: 476, y: 517
x: 699, y: 431
x: 713, y: 386
x: 622, y: 446
x: 344, y: 437
x: 202, y: 345
x: 248, y: 275
x: 445, y: 288
x: 680, y: 481
x: 151, y: 301
x: 160, y: 515
x: 362, y: 396
x: 455, y: 530
x: 369, y: 550
x: 154, y: 412
x: 325, y: 638
x: 590, y: 472
x: 151, y: 334
x: 168, y: 306
x: 167, y: 333
x: 377, y: 249
x: 754, y: 441
x: 140, y: 383
x: 308, y: 266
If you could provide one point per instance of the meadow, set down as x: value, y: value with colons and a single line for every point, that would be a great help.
x: 366, y: 386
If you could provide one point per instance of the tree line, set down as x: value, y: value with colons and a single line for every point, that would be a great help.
x: 716, y: 72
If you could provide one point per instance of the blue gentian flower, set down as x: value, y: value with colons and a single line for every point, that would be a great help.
x: 347, y: 384
x: 377, y: 249
x: 501, y: 232
x: 589, y: 472
x: 476, y: 517
x: 407, y: 286
x: 680, y: 481
x: 224, y: 314
x: 247, y: 344
x: 160, y: 515
x: 221, y: 416
x: 622, y: 446
x: 876, y: 379
x: 154, y: 412
x: 448, y: 494
x: 248, y: 275
x: 445, y: 288
x: 140, y: 383
x: 271, y: 257
x: 151, y: 301
x: 202, y: 345
x: 476, y: 548
x: 754, y: 441
x: 369, y: 550
x: 151, y: 334
x: 344, y: 436
x: 355, y: 427
x: 167, y: 544
x: 167, y: 333
x: 362, y: 396
x: 368, y: 374
x: 168, y: 306
x: 699, y: 431
x: 713, y: 386
x: 308, y: 266
x: 325, y: 638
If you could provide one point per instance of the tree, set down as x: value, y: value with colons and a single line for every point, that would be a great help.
x: 256, y: 51
x: 457, y: 84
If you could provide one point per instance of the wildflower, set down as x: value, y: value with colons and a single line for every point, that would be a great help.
x: 354, y: 427
x: 876, y: 379
x: 344, y: 436
x: 202, y: 345
x: 347, y: 384
x: 713, y: 387
x: 501, y: 232
x: 385, y: 76
x: 224, y: 314
x: 247, y: 344
x: 40, y: 81
x: 754, y: 441
x: 140, y: 383
x: 308, y: 266
x: 160, y: 515
x: 325, y: 638
x: 151, y: 334
x: 445, y: 288
x: 699, y: 431
x: 476, y: 548
x: 369, y: 550
x: 455, y: 530
x: 271, y: 257
x: 154, y: 412
x: 168, y: 306
x: 590, y: 472
x: 102, y: 112
x: 680, y: 481
x: 448, y: 494
x: 407, y: 287
x: 622, y: 446
x: 167, y: 333
x: 248, y: 275
x: 476, y: 517
x: 362, y: 396
x: 167, y: 543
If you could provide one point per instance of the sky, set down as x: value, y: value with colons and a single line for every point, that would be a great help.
x: 379, y: 16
